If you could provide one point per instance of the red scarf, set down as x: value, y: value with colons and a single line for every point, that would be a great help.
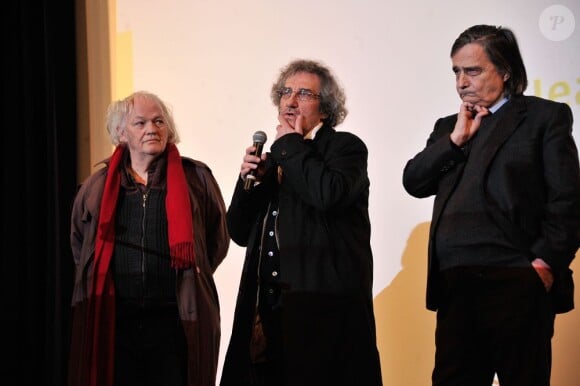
x: 101, y: 316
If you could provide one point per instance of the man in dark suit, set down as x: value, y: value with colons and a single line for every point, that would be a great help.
x: 506, y: 218
x: 304, y: 314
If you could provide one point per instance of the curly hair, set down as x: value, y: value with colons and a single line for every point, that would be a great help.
x: 118, y: 111
x: 332, y: 97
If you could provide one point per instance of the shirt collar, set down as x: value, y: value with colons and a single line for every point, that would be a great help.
x: 496, y: 107
x: 313, y: 132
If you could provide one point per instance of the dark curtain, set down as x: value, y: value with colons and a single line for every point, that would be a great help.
x: 38, y: 125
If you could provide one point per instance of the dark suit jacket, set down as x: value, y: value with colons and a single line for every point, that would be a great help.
x: 325, y: 261
x: 531, y: 186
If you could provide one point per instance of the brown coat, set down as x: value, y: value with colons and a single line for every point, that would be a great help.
x: 195, y: 290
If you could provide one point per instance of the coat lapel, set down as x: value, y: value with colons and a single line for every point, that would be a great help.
x: 509, y: 119
x: 507, y: 123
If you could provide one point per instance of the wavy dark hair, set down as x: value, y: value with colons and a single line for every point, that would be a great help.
x: 501, y: 46
x: 332, y: 97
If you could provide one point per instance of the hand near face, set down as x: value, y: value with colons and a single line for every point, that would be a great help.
x: 285, y: 127
x: 468, y: 122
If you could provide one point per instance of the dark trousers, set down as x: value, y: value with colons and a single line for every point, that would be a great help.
x: 150, y: 349
x: 493, y: 320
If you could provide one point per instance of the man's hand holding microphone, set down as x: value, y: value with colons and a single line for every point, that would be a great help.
x: 250, y: 170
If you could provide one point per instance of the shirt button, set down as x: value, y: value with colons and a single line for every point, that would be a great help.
x: 274, y: 212
x: 271, y: 233
x: 270, y: 253
x: 274, y: 273
x: 270, y: 291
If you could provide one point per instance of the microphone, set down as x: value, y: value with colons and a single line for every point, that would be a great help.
x: 259, y: 139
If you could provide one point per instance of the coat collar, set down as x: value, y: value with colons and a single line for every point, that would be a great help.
x: 509, y: 117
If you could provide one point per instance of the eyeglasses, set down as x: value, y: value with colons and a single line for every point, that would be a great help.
x: 303, y: 94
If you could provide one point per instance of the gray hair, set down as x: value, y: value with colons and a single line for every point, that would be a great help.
x: 332, y: 97
x: 118, y: 111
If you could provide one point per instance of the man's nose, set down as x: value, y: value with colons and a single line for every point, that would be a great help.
x: 292, y: 99
x: 462, y: 80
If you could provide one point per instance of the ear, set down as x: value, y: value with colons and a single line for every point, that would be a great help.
x: 121, y: 134
x: 506, y: 76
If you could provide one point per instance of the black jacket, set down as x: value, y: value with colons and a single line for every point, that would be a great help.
x: 531, y: 185
x: 326, y: 261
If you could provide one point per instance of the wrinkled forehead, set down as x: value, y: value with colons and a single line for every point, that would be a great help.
x: 303, y: 79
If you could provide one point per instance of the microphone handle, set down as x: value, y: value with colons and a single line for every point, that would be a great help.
x: 249, y: 182
x: 250, y: 177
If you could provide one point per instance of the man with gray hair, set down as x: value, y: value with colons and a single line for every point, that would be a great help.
x: 304, y: 313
